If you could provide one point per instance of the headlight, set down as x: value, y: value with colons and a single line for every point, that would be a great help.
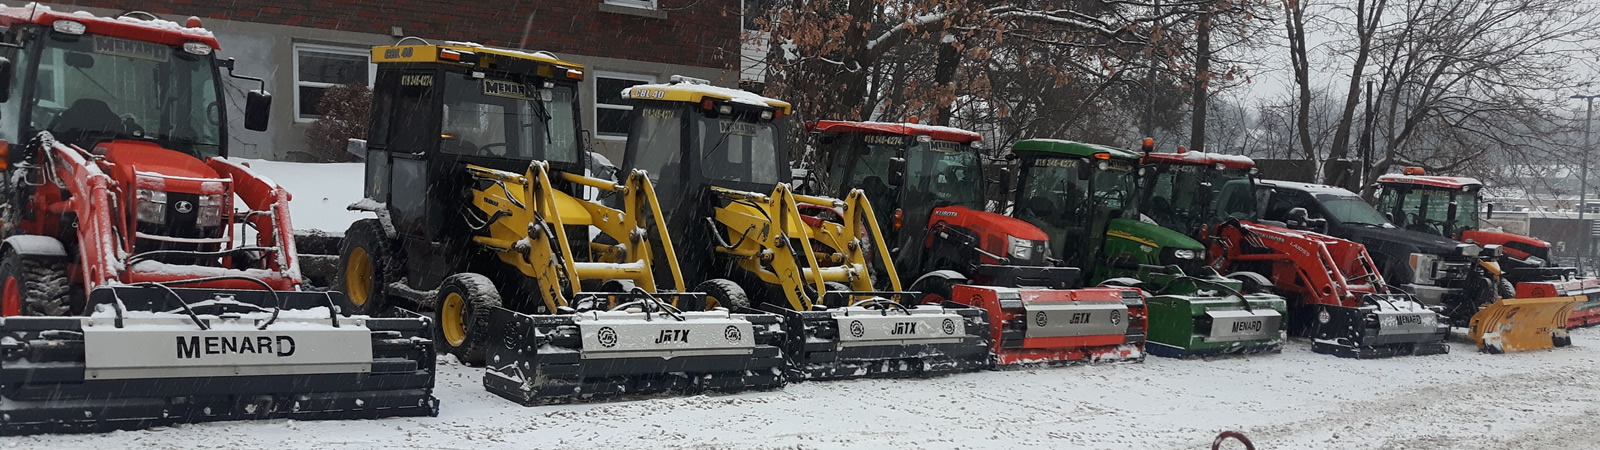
x: 1184, y: 253
x: 1020, y: 248
x: 1422, y: 268
x: 210, y: 214
x: 1468, y: 249
x: 152, y: 207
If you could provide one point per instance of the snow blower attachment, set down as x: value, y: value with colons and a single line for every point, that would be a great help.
x: 1040, y: 326
x: 1207, y: 314
x: 635, y: 335
x: 1342, y: 302
x: 819, y: 262
x: 149, y: 280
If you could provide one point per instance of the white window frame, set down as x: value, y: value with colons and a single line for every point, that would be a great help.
x: 641, y: 4
x: 372, y: 71
x: 599, y: 106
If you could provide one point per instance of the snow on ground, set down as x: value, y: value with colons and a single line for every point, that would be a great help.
x: 320, y: 192
x: 1463, y: 400
x: 1297, y: 399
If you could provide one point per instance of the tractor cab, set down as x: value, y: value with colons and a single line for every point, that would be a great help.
x: 1191, y: 191
x: 1443, y: 206
x: 438, y: 108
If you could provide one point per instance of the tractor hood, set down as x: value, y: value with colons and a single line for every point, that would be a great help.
x: 986, y: 222
x: 129, y: 156
x: 1151, y: 235
x: 1516, y: 245
x: 1399, y: 241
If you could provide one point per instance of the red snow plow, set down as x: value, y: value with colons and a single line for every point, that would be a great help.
x: 147, y: 280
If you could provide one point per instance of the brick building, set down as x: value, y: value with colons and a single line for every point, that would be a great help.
x: 302, y: 47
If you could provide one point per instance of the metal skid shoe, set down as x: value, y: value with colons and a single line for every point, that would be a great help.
x: 152, y: 355
x: 1058, y: 326
x: 1184, y: 326
x: 878, y: 337
x: 1388, y: 325
x: 637, y: 348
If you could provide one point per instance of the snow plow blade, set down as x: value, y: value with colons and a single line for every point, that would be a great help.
x: 1059, y: 326
x: 1184, y: 326
x: 595, y: 355
x: 1522, y: 324
x: 883, y: 339
x: 154, y: 356
x: 1585, y: 313
x: 1387, y: 325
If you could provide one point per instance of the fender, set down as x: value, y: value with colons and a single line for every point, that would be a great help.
x: 379, y: 209
x: 34, y: 245
x: 953, y: 277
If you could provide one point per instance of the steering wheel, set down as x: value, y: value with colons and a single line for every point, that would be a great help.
x: 132, y: 127
x: 213, y: 113
x: 504, y: 149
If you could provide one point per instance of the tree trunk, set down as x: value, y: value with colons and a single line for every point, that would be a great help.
x: 944, y: 79
x: 1295, y: 25
x: 1202, y: 80
x: 1365, y: 27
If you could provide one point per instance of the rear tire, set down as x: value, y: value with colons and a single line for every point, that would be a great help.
x: 934, y: 291
x: 368, y: 262
x: 1506, y: 289
x: 722, y: 293
x: 461, y: 316
x: 35, y: 286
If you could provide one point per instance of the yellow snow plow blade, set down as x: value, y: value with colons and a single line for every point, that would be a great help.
x: 1522, y: 324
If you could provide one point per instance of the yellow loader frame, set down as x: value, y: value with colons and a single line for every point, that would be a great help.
x: 527, y: 220
x: 767, y: 236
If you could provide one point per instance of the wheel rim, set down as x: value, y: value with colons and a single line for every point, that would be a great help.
x: 455, y: 329
x: 358, y: 276
x: 12, y: 305
x: 712, y: 302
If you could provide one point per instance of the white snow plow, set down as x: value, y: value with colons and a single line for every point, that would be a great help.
x: 153, y: 355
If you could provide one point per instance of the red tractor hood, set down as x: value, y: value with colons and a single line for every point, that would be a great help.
x: 1501, y: 239
x: 184, y: 172
x: 987, y: 222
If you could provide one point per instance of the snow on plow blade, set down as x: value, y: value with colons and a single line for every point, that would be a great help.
x: 1184, y: 326
x: 1522, y: 324
x: 881, y: 338
x: 1585, y: 313
x: 150, y: 356
x: 1388, y: 325
x: 1049, y: 326
x: 545, y: 359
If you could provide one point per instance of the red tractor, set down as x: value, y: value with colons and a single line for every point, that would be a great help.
x: 928, y: 182
x: 126, y: 230
x: 1448, y: 206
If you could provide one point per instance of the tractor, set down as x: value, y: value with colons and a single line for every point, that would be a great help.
x: 719, y: 159
x: 957, y: 251
x: 1085, y: 197
x: 473, y: 179
x: 148, y: 279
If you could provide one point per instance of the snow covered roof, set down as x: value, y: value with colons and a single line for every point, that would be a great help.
x: 1228, y: 161
x: 693, y: 92
x: 128, y: 26
x: 1426, y: 180
x: 904, y: 129
x: 1306, y: 187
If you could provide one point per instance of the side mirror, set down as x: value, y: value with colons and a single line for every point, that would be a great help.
x: 897, y: 171
x: 257, y: 106
x: 5, y: 79
x: 1297, y: 217
x: 1488, y: 211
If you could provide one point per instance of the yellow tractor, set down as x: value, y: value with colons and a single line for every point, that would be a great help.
x: 720, y: 159
x: 471, y: 175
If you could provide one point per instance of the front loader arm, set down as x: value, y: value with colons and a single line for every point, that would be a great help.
x: 761, y: 231
x: 95, y: 204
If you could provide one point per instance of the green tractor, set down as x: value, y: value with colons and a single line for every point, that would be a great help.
x: 1086, y: 198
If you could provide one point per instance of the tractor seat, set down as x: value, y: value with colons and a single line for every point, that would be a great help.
x: 85, y: 117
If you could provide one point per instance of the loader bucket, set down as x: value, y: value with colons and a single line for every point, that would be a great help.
x: 595, y: 355
x: 1386, y: 325
x: 153, y: 356
x: 880, y: 338
x: 1060, y: 326
x: 1522, y: 324
x: 1183, y: 326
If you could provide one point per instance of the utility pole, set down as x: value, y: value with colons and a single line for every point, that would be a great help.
x: 1583, y: 176
x: 1150, y: 78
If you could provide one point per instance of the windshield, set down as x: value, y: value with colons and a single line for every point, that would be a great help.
x: 738, y: 150
x: 506, y: 119
x: 1428, y: 210
x: 1177, y: 195
x: 93, y: 88
x: 1351, y: 209
x: 947, y: 172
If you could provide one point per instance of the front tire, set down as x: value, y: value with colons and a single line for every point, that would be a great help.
x: 461, y: 316
x: 35, y: 286
x: 721, y: 293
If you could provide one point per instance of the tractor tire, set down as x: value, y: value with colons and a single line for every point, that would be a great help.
x: 1506, y: 289
x: 368, y: 262
x: 722, y: 293
x: 934, y: 290
x: 35, y: 286
x: 461, y: 316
